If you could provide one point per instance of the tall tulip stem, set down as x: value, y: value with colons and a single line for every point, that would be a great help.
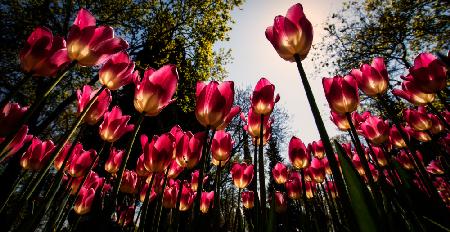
x: 159, y: 209
x: 144, y: 206
x: 15, y: 90
x: 305, y: 200
x: 254, y: 187
x: 262, y: 179
x: 217, y: 194
x: 327, y: 145
x: 14, y: 186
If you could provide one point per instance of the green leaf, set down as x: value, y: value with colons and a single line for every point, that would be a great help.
x: 361, y: 201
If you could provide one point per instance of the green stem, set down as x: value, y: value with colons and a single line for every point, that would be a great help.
x: 202, y: 165
x: 13, y: 188
x: 339, y: 181
x: 15, y: 90
x: 144, y: 206
x: 159, y: 209
x: 305, y: 200
x: 262, y: 179
x: 217, y: 195
x: 257, y: 212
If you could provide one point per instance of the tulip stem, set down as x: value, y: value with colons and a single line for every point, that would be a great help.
x: 177, y: 206
x: 15, y: 90
x: 14, y: 186
x: 217, y: 195
x: 236, y: 217
x: 305, y: 200
x: 115, y: 191
x: 159, y: 209
x: 327, y: 145
x: 262, y: 179
x: 36, y: 105
x: 255, y: 188
x: 144, y: 206
x: 439, y: 115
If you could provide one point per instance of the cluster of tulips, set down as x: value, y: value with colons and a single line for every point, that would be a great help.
x: 341, y: 183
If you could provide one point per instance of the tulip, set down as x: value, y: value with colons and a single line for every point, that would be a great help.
x: 129, y: 182
x: 214, y: 102
x: 114, y: 125
x: 429, y: 73
x: 373, y: 172
x: 357, y: 163
x: 422, y: 136
x: 372, y: 79
x: 114, y: 160
x: 93, y: 180
x: 262, y: 99
x: 341, y: 93
x: 140, y: 168
x: 144, y: 192
x: 280, y: 202
x: 99, y: 107
x: 298, y: 154
x: 267, y: 135
x: 117, y: 71
x: 37, y: 155
x: 253, y: 126
x: 280, y: 173
x: 291, y: 35
x: 233, y: 112
x: 396, y: 139
x: 43, y: 54
x: 174, y: 170
x: 411, y: 92
x: 331, y: 189
x: 194, y: 180
x: 248, y: 199
x: 221, y: 145
x: 358, y: 119
x: 22, y: 137
x: 317, y: 170
x: 340, y: 120
x: 310, y: 187
x: 156, y: 89
x: 327, y: 166
x: 417, y: 119
x: 242, y: 174
x: 222, y: 163
x: 80, y: 162
x: 126, y: 216
x: 404, y: 160
x: 90, y: 45
x: 436, y: 125
x: 206, y: 200
x: 435, y: 167
x: 188, y: 147
x: 316, y: 148
x: 187, y: 197
x: 59, y: 160
x: 381, y: 157
x: 170, y: 194
x: 84, y: 201
x: 294, y: 186
x: 159, y: 152
x: 375, y: 129
x: 10, y: 117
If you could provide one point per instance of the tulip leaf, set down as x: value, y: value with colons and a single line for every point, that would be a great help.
x: 361, y: 202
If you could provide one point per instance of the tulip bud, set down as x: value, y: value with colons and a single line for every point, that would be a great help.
x: 429, y: 73
x: 114, y: 160
x: 294, y: 186
x: 372, y: 79
x: 99, y: 107
x: 117, y: 71
x: 90, y: 45
x: 263, y: 97
x: 341, y: 93
x: 37, y: 155
x: 114, y: 125
x: 129, y: 182
x: 205, y: 201
x: 316, y: 148
x: 375, y: 129
x: 170, y: 194
x: 298, y: 154
x: 84, y: 201
x: 280, y: 173
x: 159, y: 152
x: 156, y: 89
x: 340, y: 120
x: 291, y: 35
x: 242, y: 174
x: 248, y: 199
x: 280, y: 202
x: 221, y: 145
x: 80, y: 162
x: 411, y: 92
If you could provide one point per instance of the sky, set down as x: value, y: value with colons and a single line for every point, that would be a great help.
x: 254, y: 57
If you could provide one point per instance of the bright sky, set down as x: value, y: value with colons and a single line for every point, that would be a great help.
x: 254, y: 57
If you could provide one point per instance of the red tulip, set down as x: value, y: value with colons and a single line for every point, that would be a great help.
x: 253, y: 126
x: 248, y: 199
x: 221, y: 146
x: 280, y: 202
x: 233, y: 112
x: 112, y: 165
x: 43, y: 54
x: 140, y: 168
x: 262, y: 98
x: 317, y: 170
x: 117, y: 71
x: 170, y: 194
x: 381, y: 157
x: 417, y: 119
x: 298, y: 154
x: 114, y: 125
x: 310, y: 187
x: 422, y: 136
x: 292, y: 34
x: 194, y: 150
x: 10, y: 117
x: 174, y: 170
x: 159, y: 152
x: 435, y: 167
x: 126, y: 216
x: 91, y: 45
x: 222, y: 163
x: 280, y: 173
x: 144, y: 192
x: 436, y: 124
x: 316, y: 148
x: 63, y: 154
x: 129, y: 182
x: 341, y: 93
x: 373, y: 172
x: 429, y: 73
x: 404, y: 160
x: 372, y: 79
x: 330, y: 187
x: 37, y: 155
x: 411, y: 92
x: 93, y: 180
x: 357, y: 163
x: 327, y: 165
x: 294, y: 186
x: 84, y: 201
x: 242, y: 174
x: 22, y: 137
x: 340, y: 120
x: 99, y: 107
x: 267, y: 135
x: 187, y: 197
x: 358, y: 119
x: 206, y: 200
x: 156, y: 89
x: 194, y: 180
x: 214, y: 102
x: 375, y: 129
x: 80, y: 162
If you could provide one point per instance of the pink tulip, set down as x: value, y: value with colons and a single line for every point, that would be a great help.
x: 90, y: 45
x: 417, y: 119
x: 170, y: 194
x: 187, y: 197
x: 159, y: 152
x: 233, y: 112
x: 140, y: 168
x: 372, y: 79
x: 77, y: 149
x: 117, y: 71
x: 280, y: 202
x: 174, y: 170
x: 436, y: 124
x: 84, y: 201
x: 214, y: 102
x: 341, y: 93
x: 291, y: 35
x: 404, y: 160
x: 205, y: 201
x: 340, y: 120
x: 99, y: 107
x: 126, y: 216
x: 43, y: 54
x: 10, y: 117
x: 280, y: 173
x: 114, y: 160
x: 93, y: 180
x: 189, y: 149
x: 262, y: 98
x: 316, y: 148
x: 129, y: 182
x: 114, y: 125
x: 298, y: 154
x: 221, y: 146
x: 411, y: 92
x: 435, y: 167
x: 395, y: 138
x: 381, y: 157
x: 294, y: 186
x: 221, y: 163
x: 253, y: 126
x: 375, y: 129
x: 80, y: 162
x: 144, y: 192
x: 22, y: 137
x: 194, y: 180
x: 242, y: 174
x: 317, y: 170
x: 248, y: 199
x: 429, y: 73
x: 156, y: 89
x: 37, y: 155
